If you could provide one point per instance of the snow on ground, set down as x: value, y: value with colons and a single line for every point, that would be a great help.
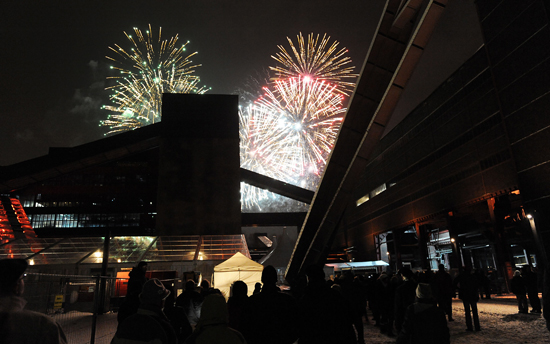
x: 499, y: 320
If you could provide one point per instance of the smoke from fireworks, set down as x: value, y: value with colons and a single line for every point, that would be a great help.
x: 148, y: 69
x: 316, y: 59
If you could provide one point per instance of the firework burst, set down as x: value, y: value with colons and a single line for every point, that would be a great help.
x: 316, y: 59
x: 288, y: 133
x: 148, y: 69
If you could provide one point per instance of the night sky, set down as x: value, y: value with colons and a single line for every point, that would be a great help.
x: 53, y: 66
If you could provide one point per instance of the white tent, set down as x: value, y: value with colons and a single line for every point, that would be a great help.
x: 237, y: 268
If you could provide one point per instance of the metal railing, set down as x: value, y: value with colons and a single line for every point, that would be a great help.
x: 74, y: 302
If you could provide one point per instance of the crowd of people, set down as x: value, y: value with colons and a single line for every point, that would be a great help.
x: 412, y: 307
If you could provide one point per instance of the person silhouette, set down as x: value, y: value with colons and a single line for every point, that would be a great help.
x: 212, y: 326
x: 270, y: 316
x: 468, y: 291
x: 18, y: 325
x: 149, y: 324
x: 424, y: 322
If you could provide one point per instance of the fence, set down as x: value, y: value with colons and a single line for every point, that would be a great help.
x: 74, y: 302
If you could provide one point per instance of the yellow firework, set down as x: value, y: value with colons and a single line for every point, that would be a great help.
x: 150, y: 67
x: 317, y: 59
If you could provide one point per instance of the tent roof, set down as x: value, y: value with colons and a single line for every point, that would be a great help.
x: 357, y: 265
x: 238, y: 262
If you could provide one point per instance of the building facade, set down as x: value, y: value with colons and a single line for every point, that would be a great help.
x: 463, y: 179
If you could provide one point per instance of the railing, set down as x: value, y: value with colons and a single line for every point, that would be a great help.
x: 74, y: 302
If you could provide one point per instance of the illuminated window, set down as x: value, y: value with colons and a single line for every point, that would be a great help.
x: 43, y: 220
x: 378, y: 190
x: 362, y: 200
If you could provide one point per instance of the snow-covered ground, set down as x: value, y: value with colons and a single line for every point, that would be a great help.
x: 499, y: 320
x: 500, y: 323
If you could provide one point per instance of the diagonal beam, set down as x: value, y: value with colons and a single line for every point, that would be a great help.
x: 403, y: 32
x: 276, y: 186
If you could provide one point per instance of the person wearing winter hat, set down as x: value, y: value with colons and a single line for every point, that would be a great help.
x: 149, y: 323
x: 424, y: 322
x: 517, y: 286
x: 15, y: 321
x: 213, y: 324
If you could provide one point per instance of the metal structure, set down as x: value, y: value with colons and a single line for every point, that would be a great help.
x: 403, y: 31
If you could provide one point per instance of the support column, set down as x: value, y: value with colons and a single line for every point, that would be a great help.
x: 497, y: 210
x: 396, y: 248
x: 422, y: 244
x: 104, y: 267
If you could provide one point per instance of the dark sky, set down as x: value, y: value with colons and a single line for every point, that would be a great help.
x: 53, y: 66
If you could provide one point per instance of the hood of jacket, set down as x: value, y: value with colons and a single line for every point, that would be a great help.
x: 213, y: 311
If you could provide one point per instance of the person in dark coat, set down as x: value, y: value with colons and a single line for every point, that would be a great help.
x: 372, y: 299
x: 137, y: 279
x: 443, y: 291
x: 324, y: 314
x: 18, y: 325
x: 424, y: 323
x: 404, y: 296
x: 236, y: 304
x: 257, y: 288
x: 191, y: 301
x: 517, y: 286
x: 149, y: 324
x: 207, y: 290
x: 385, y: 303
x: 176, y: 316
x: 212, y: 326
x: 468, y: 291
x: 130, y: 304
x: 353, y: 293
x: 485, y: 284
x: 270, y: 316
x: 531, y: 285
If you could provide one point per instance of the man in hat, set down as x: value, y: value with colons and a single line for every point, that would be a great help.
x: 424, y: 322
x: 404, y: 296
x: 18, y: 325
x: 149, y: 323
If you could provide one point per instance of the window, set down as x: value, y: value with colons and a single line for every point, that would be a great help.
x: 378, y: 190
x: 43, y: 220
x: 362, y: 200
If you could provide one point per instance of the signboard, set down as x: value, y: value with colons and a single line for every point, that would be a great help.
x: 58, y: 303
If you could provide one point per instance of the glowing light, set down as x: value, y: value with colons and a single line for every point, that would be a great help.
x: 288, y: 133
x: 317, y: 59
x: 137, y: 90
